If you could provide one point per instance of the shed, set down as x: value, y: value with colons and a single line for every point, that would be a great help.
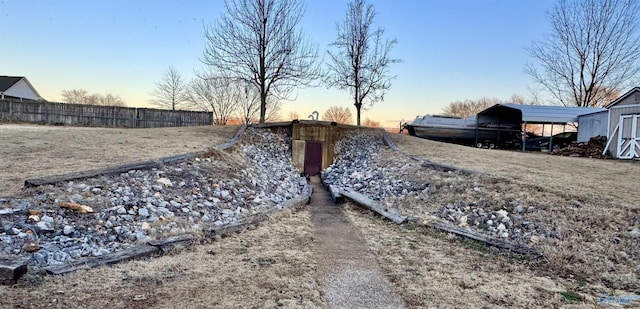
x: 515, y: 115
x: 19, y: 88
x: 594, y: 124
x: 624, y: 126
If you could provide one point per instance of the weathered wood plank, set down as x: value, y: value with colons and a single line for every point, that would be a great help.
x: 184, y: 238
x: 238, y: 227
x: 234, y: 140
x: 11, y: 270
x: 443, y: 167
x: 143, y: 165
x: 107, y: 259
x: 390, y: 214
x: 389, y: 142
x: 520, y: 249
x: 336, y: 197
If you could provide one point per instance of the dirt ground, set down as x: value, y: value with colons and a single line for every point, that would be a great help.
x: 30, y: 151
x: 275, y: 265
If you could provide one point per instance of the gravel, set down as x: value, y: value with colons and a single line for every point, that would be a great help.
x: 216, y: 189
x: 364, y: 164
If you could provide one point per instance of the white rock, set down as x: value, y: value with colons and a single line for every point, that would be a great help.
x: 143, y: 212
x: 145, y: 226
x: 489, y: 222
x: 68, y: 229
x: 463, y: 221
x: 47, y: 219
x: 501, y: 227
x: 502, y: 213
x: 45, y: 226
x: 635, y: 233
x: 165, y: 182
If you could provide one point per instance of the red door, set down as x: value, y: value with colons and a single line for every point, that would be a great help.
x: 312, y: 158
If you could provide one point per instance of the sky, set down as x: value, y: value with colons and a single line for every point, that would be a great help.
x: 450, y: 49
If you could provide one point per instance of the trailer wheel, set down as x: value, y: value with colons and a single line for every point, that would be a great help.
x: 479, y: 145
x: 492, y: 146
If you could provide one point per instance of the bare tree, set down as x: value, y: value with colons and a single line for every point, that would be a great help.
x: 219, y: 95
x: 274, y: 109
x: 371, y: 123
x: 361, y: 60
x: 81, y: 96
x: 294, y: 115
x: 171, y: 91
x: 591, y: 52
x: 248, y: 109
x: 111, y: 100
x: 257, y: 41
x: 338, y: 114
x: 467, y: 108
x: 75, y: 96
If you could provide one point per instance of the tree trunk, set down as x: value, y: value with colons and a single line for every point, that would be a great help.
x: 357, y: 103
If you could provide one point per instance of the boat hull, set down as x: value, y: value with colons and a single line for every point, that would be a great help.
x: 468, y: 135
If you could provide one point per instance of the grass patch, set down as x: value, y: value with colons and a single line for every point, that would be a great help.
x: 572, y: 296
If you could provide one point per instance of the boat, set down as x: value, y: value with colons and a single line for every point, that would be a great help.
x: 464, y: 131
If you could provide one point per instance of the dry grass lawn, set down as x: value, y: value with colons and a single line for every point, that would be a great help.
x: 30, y: 151
x: 609, y: 180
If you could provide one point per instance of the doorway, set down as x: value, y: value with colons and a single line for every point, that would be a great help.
x: 312, y: 158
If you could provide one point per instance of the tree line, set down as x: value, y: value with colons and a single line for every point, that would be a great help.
x: 255, y: 56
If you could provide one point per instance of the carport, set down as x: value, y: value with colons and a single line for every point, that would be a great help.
x: 513, y: 115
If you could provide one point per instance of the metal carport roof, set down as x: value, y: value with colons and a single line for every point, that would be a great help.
x: 510, y: 113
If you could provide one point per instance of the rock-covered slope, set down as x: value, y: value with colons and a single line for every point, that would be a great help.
x: 213, y: 190
x: 364, y: 164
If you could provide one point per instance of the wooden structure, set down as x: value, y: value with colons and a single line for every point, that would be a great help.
x: 43, y: 112
x: 624, y: 126
x: 312, y: 145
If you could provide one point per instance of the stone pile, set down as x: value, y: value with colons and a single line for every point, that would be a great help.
x: 96, y: 216
x: 364, y: 164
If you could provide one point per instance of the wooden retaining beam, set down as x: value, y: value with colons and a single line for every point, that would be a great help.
x: 107, y: 259
x: 165, y: 245
x: 362, y: 200
x: 388, y: 141
x: 144, y: 165
x: 396, y: 217
x: 12, y: 270
x: 444, y: 167
x: 240, y: 226
x: 520, y: 249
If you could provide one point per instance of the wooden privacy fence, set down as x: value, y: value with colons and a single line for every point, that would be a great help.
x: 99, y: 116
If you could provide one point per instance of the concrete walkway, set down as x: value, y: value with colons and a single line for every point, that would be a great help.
x: 351, y: 277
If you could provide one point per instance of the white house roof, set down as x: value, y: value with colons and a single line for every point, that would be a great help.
x: 17, y: 87
x: 517, y: 113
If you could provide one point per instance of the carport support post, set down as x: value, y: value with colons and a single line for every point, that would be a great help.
x: 477, y: 125
x: 524, y: 136
x: 551, y: 138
